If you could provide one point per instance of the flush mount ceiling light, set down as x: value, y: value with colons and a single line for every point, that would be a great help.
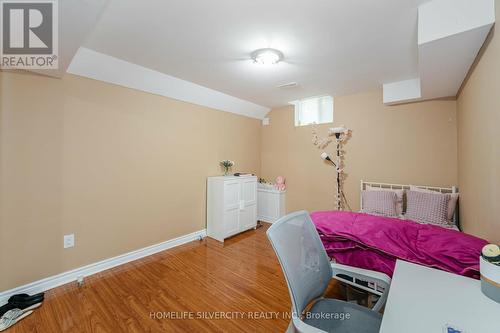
x: 267, y: 56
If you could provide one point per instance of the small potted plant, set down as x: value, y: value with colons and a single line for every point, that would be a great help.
x: 226, y: 164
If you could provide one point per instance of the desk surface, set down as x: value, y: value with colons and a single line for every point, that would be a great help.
x: 423, y: 299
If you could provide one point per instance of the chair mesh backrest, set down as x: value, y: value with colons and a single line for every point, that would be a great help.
x: 302, y: 257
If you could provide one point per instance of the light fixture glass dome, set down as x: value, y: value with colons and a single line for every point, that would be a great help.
x: 267, y: 56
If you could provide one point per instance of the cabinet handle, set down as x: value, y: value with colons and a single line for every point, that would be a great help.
x: 242, y: 204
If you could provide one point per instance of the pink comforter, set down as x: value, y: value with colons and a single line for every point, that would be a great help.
x: 375, y: 242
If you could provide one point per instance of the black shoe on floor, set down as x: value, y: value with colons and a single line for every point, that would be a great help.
x: 27, y: 298
x: 21, y: 301
x: 5, y: 308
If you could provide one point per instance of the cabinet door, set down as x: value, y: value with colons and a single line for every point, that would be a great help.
x: 232, y: 193
x: 248, y: 217
x: 267, y: 206
x: 248, y: 213
x: 249, y: 191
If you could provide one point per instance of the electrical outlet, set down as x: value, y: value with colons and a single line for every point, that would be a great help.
x: 69, y: 241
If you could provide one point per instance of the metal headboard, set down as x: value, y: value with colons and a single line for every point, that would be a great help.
x: 452, y: 189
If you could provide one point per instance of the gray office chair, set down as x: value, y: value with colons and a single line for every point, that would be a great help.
x: 308, y: 272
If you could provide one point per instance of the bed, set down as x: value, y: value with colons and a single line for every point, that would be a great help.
x: 375, y: 242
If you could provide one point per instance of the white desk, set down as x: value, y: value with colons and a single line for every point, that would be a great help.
x: 424, y: 300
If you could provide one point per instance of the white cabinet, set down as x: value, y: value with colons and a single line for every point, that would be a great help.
x: 231, y: 205
x: 271, y: 203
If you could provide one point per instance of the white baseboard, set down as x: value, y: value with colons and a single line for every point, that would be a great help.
x: 70, y: 276
x: 266, y: 219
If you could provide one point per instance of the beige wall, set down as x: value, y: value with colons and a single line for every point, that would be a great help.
x: 479, y: 144
x: 124, y: 169
x: 413, y: 143
x: 119, y: 168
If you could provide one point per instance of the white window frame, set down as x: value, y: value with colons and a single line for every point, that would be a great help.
x: 324, y: 110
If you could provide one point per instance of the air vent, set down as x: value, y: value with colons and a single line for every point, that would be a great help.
x: 288, y: 85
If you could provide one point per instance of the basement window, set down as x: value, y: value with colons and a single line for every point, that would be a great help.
x: 318, y: 110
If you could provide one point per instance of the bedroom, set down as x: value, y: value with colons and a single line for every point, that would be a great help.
x: 104, y: 160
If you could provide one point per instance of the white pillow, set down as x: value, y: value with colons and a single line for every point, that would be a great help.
x: 399, y: 197
x: 379, y: 203
x: 452, y: 203
x: 427, y: 208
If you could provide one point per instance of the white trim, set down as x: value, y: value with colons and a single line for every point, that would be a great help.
x: 266, y: 219
x: 70, y: 276
x: 102, y: 67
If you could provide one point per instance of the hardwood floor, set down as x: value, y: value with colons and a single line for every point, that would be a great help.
x: 240, y: 279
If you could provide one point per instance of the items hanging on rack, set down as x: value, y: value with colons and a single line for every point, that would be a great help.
x: 340, y: 136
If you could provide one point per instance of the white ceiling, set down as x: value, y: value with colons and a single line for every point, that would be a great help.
x: 332, y: 47
x: 76, y: 19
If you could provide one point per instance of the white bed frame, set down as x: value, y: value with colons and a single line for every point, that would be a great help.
x: 452, y: 189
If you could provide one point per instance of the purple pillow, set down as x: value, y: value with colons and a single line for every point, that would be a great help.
x: 427, y: 208
x: 379, y: 203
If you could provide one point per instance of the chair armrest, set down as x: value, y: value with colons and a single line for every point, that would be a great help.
x: 377, y: 278
x: 361, y: 273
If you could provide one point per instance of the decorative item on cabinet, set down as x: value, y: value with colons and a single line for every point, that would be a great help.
x: 226, y: 165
